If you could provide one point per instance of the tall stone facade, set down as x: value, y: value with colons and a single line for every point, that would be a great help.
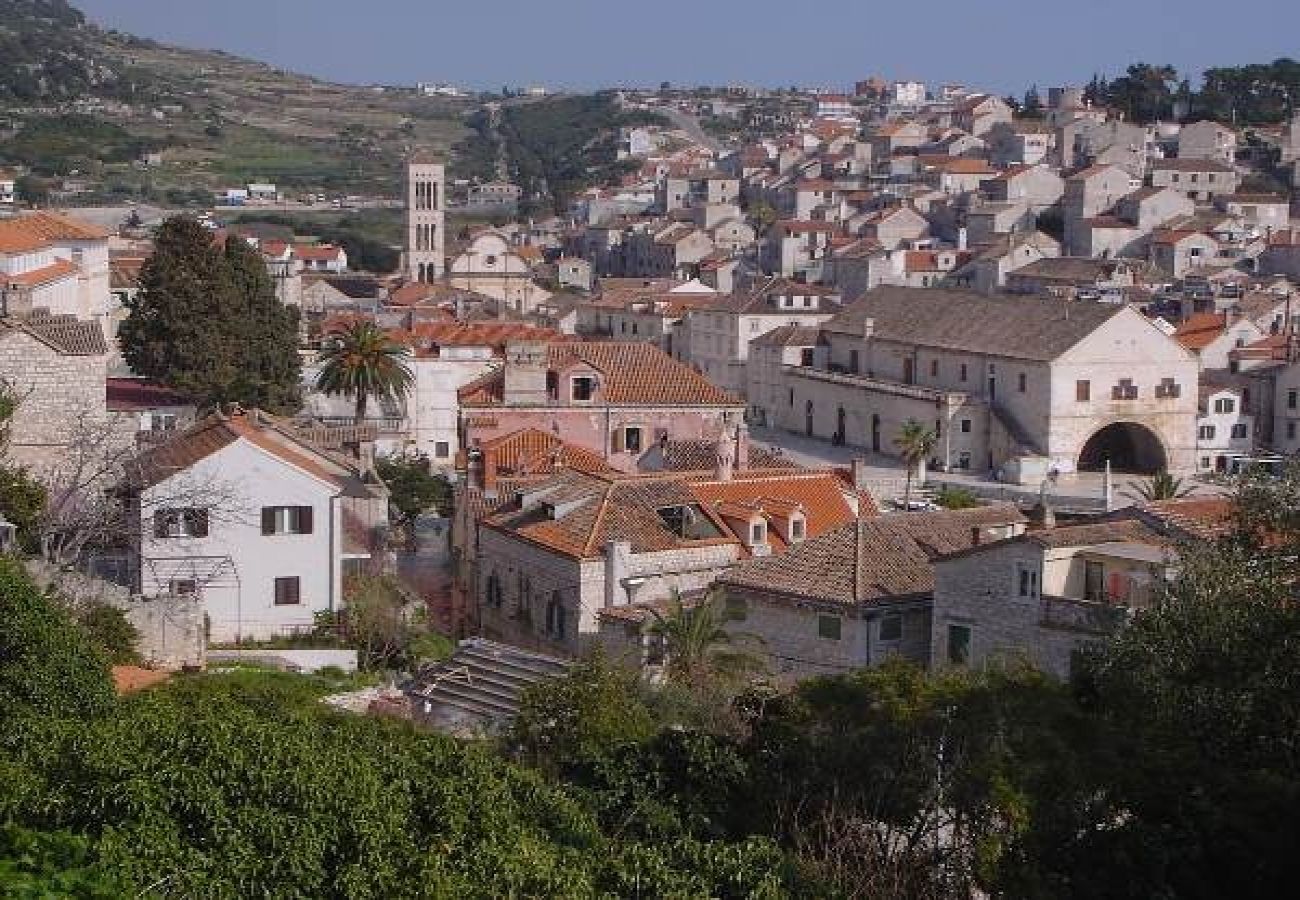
x: 426, y: 197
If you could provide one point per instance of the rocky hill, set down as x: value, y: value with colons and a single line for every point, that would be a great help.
x: 218, y: 119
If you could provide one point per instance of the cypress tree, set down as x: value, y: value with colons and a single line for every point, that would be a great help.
x: 208, y: 322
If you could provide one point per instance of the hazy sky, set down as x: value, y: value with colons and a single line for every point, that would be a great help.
x: 1003, y: 45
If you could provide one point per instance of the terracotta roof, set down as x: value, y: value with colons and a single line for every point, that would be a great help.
x: 317, y: 252
x: 1022, y: 327
x: 702, y: 455
x: 54, y: 227
x: 1206, y: 518
x: 632, y: 374
x: 139, y: 394
x: 60, y: 268
x: 66, y: 335
x: 577, y: 513
x: 124, y: 272
x: 869, y: 560
x: 789, y: 336
x: 218, y: 431
x: 532, y: 451
x: 425, y: 338
x: 1199, y: 330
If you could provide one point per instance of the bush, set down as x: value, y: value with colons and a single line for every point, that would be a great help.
x: 111, y: 631
x: 956, y: 498
x: 48, y: 665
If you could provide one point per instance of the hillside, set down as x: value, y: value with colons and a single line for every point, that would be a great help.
x: 218, y: 119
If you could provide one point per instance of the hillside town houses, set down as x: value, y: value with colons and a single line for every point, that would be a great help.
x: 693, y: 385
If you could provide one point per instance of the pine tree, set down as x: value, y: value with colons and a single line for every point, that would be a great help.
x: 266, y: 334
x: 208, y: 322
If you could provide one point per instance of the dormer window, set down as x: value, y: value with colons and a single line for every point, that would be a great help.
x: 757, y: 533
x: 584, y: 388
x: 796, y: 530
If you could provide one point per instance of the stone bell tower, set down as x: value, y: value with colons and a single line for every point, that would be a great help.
x: 426, y: 198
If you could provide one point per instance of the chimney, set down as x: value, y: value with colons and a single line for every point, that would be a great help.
x: 742, y: 446
x: 726, y: 453
x: 859, y: 469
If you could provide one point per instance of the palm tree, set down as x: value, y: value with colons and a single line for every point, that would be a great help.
x: 914, y: 443
x: 1161, y: 486
x: 361, y: 361
x: 696, y: 645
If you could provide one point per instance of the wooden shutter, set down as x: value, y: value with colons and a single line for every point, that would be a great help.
x: 304, y: 520
x: 268, y: 520
x: 616, y: 440
x: 287, y: 591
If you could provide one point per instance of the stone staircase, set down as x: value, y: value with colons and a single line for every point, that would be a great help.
x: 479, y: 687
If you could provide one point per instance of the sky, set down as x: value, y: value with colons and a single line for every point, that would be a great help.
x: 999, y: 45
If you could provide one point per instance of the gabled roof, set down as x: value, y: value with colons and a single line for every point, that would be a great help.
x: 532, y: 452
x: 633, y: 374
x: 869, y: 560
x: 218, y: 431
x: 1199, y: 330
x: 66, y: 335
x: 1022, y: 327
x: 702, y: 455
x: 54, y: 227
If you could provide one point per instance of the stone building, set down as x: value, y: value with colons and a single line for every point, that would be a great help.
x: 1018, y: 384
x: 491, y: 266
x: 424, y: 257
x: 584, y: 556
x: 56, y: 366
x: 616, y: 399
x: 854, y: 596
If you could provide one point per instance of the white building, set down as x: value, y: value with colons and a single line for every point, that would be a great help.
x: 261, y: 524
x: 55, y: 263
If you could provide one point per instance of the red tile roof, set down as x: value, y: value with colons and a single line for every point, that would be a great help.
x: 1199, y: 330
x: 139, y: 394
x: 634, y: 374
x: 60, y: 268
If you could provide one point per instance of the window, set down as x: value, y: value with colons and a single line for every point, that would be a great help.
x: 1225, y: 405
x: 1125, y: 390
x: 792, y: 396
x: 1083, y: 391
x: 441, y: 449
x: 965, y: 426
x: 796, y: 529
x: 1094, y: 581
x: 1205, y: 432
x: 806, y: 357
x: 753, y: 325
x: 622, y: 327
x: 584, y: 386
x: 556, y: 616
x: 180, y: 523
x: 963, y: 372
x: 288, y: 591
x: 959, y: 640
x: 828, y: 627
x: 162, y: 422
x: 1021, y: 382
x: 632, y: 437
x: 1169, y: 388
x: 1290, y: 430
x: 1027, y: 578
x: 934, y: 368
x: 1290, y: 399
x: 495, y: 595
x: 891, y: 628
x: 853, y: 361
x: 1239, y: 431
x: 963, y: 459
x: 179, y: 586
x: 286, y: 520
x: 757, y: 533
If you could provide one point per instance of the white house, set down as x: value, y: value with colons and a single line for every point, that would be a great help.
x: 259, y: 522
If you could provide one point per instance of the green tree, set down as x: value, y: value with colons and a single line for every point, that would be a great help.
x: 111, y: 632
x: 361, y: 362
x: 207, y: 322
x: 914, y: 443
x: 267, y: 355
x: 697, y: 646
x: 32, y: 190
x: 413, y: 488
x: 48, y: 665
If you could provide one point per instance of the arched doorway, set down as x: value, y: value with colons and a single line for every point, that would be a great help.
x: 1128, y: 446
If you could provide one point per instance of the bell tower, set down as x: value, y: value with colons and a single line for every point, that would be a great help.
x: 426, y: 198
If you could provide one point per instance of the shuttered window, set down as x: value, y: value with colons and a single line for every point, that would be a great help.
x: 286, y: 520
x: 287, y: 591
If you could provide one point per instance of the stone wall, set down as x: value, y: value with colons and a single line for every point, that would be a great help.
x: 172, y: 628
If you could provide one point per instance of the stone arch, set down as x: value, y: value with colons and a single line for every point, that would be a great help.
x: 1129, y: 447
